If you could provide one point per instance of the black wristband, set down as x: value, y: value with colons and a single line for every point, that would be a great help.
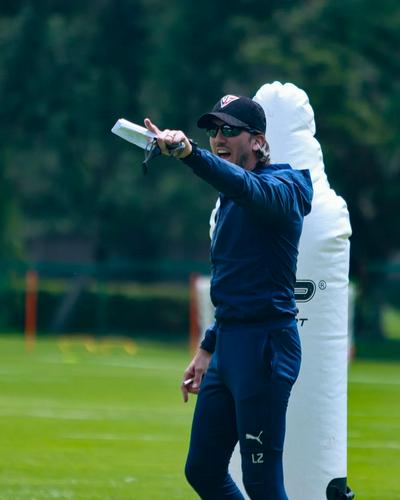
x: 194, y: 150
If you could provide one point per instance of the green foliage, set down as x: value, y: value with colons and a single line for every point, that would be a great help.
x: 392, y: 323
x: 342, y: 54
x: 68, y: 70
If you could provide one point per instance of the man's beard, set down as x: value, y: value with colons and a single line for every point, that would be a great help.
x: 243, y: 160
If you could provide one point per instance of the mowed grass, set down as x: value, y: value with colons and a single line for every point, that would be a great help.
x: 87, y: 425
x: 105, y: 420
x: 374, y: 430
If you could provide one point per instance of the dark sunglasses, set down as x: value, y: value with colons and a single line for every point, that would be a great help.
x: 228, y: 131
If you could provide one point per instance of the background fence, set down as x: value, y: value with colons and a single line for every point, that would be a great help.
x: 145, y: 298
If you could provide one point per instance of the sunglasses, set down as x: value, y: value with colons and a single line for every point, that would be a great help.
x: 228, y: 131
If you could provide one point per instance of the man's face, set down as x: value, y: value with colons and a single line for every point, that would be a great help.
x: 240, y: 150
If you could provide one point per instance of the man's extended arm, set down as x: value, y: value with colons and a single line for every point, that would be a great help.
x: 277, y: 195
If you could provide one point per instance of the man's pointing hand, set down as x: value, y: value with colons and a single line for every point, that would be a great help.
x: 167, y: 138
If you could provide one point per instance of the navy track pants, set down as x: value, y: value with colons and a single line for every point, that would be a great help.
x: 244, y: 396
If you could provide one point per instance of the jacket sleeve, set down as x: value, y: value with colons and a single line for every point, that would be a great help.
x: 277, y: 194
x: 210, y: 337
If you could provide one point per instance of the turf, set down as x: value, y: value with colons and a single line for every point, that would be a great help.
x: 374, y: 430
x: 98, y: 420
x: 86, y: 425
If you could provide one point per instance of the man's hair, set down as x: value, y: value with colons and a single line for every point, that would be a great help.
x: 263, y: 154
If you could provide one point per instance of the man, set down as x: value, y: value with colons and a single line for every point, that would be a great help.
x: 249, y: 359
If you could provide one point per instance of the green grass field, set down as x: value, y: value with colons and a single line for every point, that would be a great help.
x: 98, y: 420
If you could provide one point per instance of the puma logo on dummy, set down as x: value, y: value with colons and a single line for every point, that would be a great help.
x: 256, y: 438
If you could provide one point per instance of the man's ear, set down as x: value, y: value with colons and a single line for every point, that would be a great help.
x: 258, y: 143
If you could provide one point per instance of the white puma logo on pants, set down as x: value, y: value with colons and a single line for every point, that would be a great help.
x: 256, y: 438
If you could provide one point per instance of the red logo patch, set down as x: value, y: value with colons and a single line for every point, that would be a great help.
x: 228, y: 99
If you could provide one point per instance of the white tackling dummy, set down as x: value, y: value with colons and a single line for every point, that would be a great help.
x: 315, y: 453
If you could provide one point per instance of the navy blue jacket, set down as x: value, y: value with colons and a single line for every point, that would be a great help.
x: 254, y: 247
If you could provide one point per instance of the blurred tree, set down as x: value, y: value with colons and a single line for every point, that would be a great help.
x: 65, y: 84
x: 342, y: 54
x: 69, y: 69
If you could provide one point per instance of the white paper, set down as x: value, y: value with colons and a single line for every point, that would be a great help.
x: 131, y: 132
